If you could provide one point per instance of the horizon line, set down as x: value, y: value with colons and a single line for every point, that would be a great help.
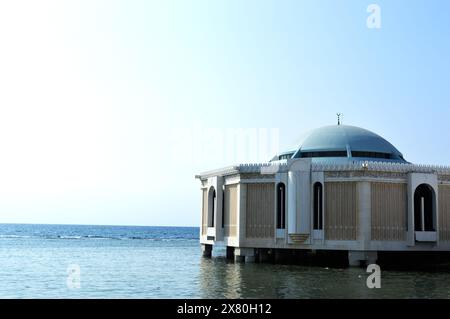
x: 109, y: 225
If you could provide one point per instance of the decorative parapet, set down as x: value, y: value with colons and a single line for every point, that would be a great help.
x: 261, y: 168
x: 264, y: 168
x: 283, y: 166
x: 229, y: 170
x: 381, y: 167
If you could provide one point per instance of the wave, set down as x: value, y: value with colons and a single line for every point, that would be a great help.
x: 70, y: 237
x: 15, y: 236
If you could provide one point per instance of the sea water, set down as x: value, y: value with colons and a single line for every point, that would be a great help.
x: 67, y: 261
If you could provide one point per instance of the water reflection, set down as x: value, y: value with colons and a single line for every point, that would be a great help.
x: 220, y: 278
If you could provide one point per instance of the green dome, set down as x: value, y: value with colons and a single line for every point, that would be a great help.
x: 344, y: 142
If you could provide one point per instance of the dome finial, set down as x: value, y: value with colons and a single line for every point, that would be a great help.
x: 339, y: 117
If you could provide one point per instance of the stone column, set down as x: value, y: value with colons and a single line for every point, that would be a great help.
x: 364, y: 214
x: 292, y: 202
x: 244, y: 254
x: 264, y: 255
x: 207, y: 250
x: 355, y: 258
x: 230, y: 252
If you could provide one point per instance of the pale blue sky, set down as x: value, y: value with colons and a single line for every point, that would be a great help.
x: 109, y: 108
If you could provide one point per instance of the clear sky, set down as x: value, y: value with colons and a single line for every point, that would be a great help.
x: 108, y: 109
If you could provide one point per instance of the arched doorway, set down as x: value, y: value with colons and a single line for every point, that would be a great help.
x: 211, y: 206
x: 281, y: 206
x: 318, y: 206
x: 424, y: 208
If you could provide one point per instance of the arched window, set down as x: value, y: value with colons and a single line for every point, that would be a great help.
x: 223, y: 208
x: 281, y: 206
x: 318, y: 203
x: 211, y: 206
x: 424, y: 208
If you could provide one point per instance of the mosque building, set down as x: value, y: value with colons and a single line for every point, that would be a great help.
x: 343, y: 188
